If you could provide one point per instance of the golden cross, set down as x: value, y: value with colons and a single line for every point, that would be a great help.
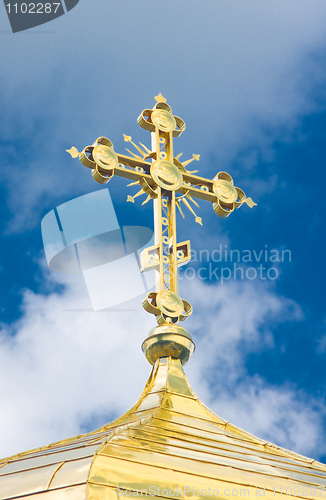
x: 165, y: 180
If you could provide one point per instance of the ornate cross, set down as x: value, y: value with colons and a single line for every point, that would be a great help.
x: 166, y: 181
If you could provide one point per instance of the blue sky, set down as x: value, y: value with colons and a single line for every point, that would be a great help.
x: 248, y: 78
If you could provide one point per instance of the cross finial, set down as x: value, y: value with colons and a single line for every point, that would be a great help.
x: 165, y: 180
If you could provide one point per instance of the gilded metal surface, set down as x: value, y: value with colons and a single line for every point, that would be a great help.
x: 163, y: 120
x: 100, y: 178
x: 105, y: 157
x: 169, y: 303
x: 47, y: 459
x: 72, y: 493
x: 73, y: 472
x: 30, y: 481
x: 149, y: 257
x: 185, y: 444
x: 228, y: 196
x: 165, y: 343
x: 168, y: 440
x: 164, y: 179
x: 167, y: 306
x: 225, y: 191
x: 166, y: 175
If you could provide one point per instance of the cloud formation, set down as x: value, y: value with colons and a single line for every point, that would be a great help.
x: 235, y: 320
x: 253, y: 69
x: 66, y: 372
x: 242, y: 75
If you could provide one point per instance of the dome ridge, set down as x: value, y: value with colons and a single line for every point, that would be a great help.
x: 167, y: 440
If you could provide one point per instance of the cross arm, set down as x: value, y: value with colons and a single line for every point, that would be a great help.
x: 198, y: 187
x: 105, y: 163
x: 134, y: 163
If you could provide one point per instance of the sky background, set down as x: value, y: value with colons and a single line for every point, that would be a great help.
x: 248, y: 78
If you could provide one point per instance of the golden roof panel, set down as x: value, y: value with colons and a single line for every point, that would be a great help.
x: 168, y: 441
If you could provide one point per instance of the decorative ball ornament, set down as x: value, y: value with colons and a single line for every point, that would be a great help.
x: 225, y: 191
x: 105, y: 157
x: 99, y: 155
x: 169, y: 303
x: 166, y: 175
x: 168, y: 341
x: 163, y: 120
x: 167, y: 306
x: 228, y: 196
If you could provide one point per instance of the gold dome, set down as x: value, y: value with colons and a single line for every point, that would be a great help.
x: 169, y: 445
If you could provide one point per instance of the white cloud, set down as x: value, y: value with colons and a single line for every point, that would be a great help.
x: 231, y: 321
x: 281, y: 415
x: 60, y: 369
x: 321, y: 347
x: 241, y: 74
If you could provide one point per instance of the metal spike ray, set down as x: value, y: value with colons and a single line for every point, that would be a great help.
x: 197, y: 219
x: 127, y: 138
x: 146, y: 149
x: 194, y: 157
x: 179, y: 207
x: 139, y: 193
x: 133, y: 154
x: 147, y: 200
x: 191, y: 199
